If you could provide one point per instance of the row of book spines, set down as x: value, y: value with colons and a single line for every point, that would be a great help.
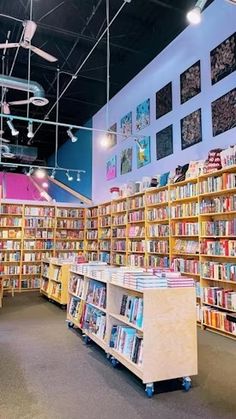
x: 220, y: 297
x: 186, y: 265
x: 219, y: 271
x: 127, y: 342
x: 218, y: 183
x: 184, y: 191
x: 219, y: 227
x: 185, y: 228
x: 218, y: 204
x: 218, y: 247
x: 217, y: 319
x: 132, y: 308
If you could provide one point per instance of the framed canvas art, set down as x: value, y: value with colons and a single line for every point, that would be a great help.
x: 143, y: 115
x: 126, y: 125
x: 190, y: 82
x: 143, y: 152
x: 111, y: 168
x: 164, y: 142
x: 112, y: 138
x: 191, y: 129
x: 164, y: 100
x: 126, y: 161
x: 224, y: 113
x: 223, y: 59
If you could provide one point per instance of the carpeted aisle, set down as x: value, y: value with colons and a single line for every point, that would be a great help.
x: 47, y: 373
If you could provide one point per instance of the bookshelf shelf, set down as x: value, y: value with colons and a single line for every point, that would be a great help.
x: 218, y: 330
x: 127, y: 363
x: 216, y: 306
x: 123, y: 319
x: 218, y: 280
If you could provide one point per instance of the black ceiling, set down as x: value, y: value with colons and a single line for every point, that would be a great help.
x: 68, y: 29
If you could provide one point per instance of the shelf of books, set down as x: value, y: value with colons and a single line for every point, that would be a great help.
x: 11, y: 232
x: 184, y: 230
x: 135, y: 317
x: 54, y: 280
x: 69, y: 237
x: 104, y: 232
x: 91, y: 234
x: 157, y: 227
x: 37, y: 242
x: 119, y: 232
x: 217, y: 202
x: 136, y: 230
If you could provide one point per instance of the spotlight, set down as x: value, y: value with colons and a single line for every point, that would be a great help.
x: 53, y: 174
x: 69, y: 177
x: 194, y: 15
x: 30, y: 130
x: 45, y: 185
x: 14, y: 131
x: 29, y: 173
x: 40, y: 173
x: 105, y: 141
x: 78, y: 177
x: 71, y: 135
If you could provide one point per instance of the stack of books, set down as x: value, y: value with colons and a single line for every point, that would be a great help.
x: 175, y: 280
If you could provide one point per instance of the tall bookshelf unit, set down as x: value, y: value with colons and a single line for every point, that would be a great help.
x: 104, y: 232
x: 184, y: 229
x: 217, y: 203
x: 54, y: 280
x: 119, y: 232
x: 136, y: 230
x: 69, y: 237
x: 157, y: 227
x: 91, y: 234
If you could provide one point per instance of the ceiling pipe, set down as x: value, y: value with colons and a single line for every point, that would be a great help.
x: 38, y: 98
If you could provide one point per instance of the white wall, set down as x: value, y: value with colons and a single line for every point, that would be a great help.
x: 219, y: 22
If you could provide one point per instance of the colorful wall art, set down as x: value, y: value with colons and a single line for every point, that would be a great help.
x: 223, y: 59
x: 143, y: 115
x: 164, y: 142
x: 111, y: 168
x: 126, y: 125
x: 190, y: 82
x: 112, y: 138
x: 164, y: 100
x: 224, y: 113
x: 191, y: 129
x: 143, y: 152
x: 126, y: 161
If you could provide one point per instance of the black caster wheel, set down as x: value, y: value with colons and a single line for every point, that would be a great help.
x: 149, y: 390
x: 70, y: 325
x: 114, y: 362
x: 186, y: 383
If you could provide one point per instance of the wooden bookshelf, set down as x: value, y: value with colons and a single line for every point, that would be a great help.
x: 91, y: 234
x: 54, y: 280
x: 69, y: 234
x: 168, y: 316
x: 119, y: 239
x: 104, y: 232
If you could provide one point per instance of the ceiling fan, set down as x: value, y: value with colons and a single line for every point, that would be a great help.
x: 29, y: 31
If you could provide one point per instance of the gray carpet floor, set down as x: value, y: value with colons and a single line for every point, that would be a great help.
x: 46, y: 372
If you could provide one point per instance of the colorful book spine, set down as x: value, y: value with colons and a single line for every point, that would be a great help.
x: 136, y: 246
x: 219, y: 228
x: 118, y: 259
x: 136, y: 231
x: 105, y: 245
x: 105, y: 233
x: 119, y: 220
x: 219, y: 271
x: 92, y: 235
x: 126, y: 341
x: 136, y: 216
x: 136, y: 202
x: 70, y: 224
x: 218, y: 247
x: 105, y: 221
x: 119, y: 245
x: 221, y: 297
x: 156, y: 261
x: 119, y: 206
x: 185, y: 229
x: 160, y: 197
x: 186, y: 247
x: 158, y: 246
x: 156, y: 214
x: 119, y: 232
x: 158, y: 230
x: 190, y: 266
x: 70, y: 212
x: 218, y: 320
x: 136, y: 260
x: 104, y: 210
x: 188, y: 190
x: 188, y: 209
x: 92, y: 212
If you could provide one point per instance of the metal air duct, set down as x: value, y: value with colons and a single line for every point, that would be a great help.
x: 16, y: 83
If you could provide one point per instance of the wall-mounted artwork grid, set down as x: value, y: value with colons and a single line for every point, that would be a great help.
x: 143, y: 115
x: 224, y: 113
x: 191, y: 129
x: 164, y: 142
x: 164, y: 100
x: 126, y: 160
x: 223, y: 59
x: 190, y: 82
x: 126, y: 125
x: 143, y: 152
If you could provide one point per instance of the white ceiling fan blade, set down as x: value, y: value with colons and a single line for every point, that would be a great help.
x: 8, y: 45
x: 30, y: 28
x: 4, y: 140
x: 43, y: 54
x: 20, y: 102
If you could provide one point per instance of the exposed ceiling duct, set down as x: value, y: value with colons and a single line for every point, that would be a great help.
x: 38, y: 98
